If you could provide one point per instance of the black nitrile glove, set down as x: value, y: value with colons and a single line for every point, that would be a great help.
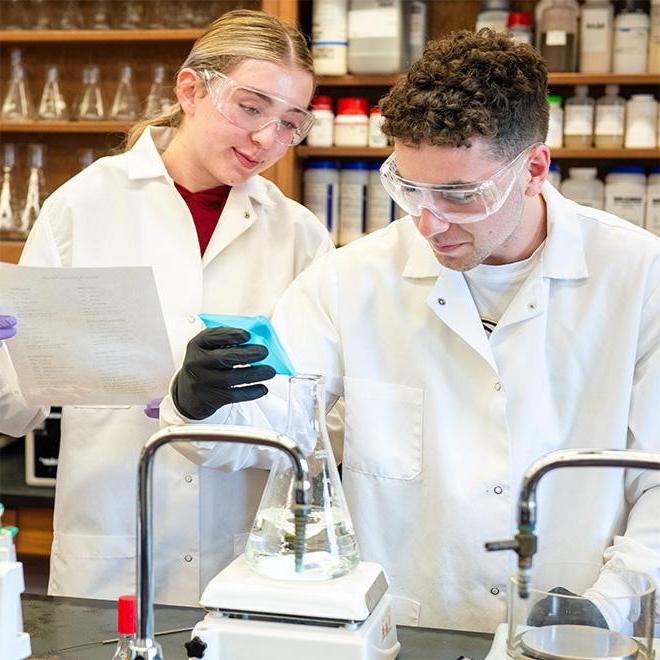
x: 551, y: 611
x: 209, y: 376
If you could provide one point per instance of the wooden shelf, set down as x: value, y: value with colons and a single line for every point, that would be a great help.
x: 45, y: 126
x: 10, y: 251
x: 383, y: 152
x: 98, y: 36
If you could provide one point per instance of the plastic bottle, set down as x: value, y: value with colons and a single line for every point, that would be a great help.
x: 554, y: 176
x: 376, y: 137
x: 353, y: 185
x: 381, y: 208
x: 652, y: 216
x: 321, y: 134
x: 555, y: 138
x: 321, y: 193
x: 579, y: 118
x: 494, y: 14
x: 610, y: 119
x: 519, y: 26
x: 631, y: 35
x: 583, y: 187
x: 330, y: 37
x: 559, y: 35
x: 596, y: 32
x: 126, y: 626
x: 653, y: 65
x: 351, y: 122
x: 641, y: 120
x: 375, y: 36
x: 416, y: 29
x: 625, y: 193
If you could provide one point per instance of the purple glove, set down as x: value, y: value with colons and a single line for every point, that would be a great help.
x: 152, y: 409
x: 7, y: 326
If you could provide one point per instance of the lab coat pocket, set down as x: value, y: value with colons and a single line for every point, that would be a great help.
x: 383, y: 428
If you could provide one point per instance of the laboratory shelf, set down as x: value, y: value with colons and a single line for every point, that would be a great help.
x: 344, y: 152
x: 97, y: 36
x: 46, y: 126
x: 10, y: 251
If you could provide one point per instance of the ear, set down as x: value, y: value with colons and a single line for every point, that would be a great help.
x: 187, y: 90
x: 539, y: 162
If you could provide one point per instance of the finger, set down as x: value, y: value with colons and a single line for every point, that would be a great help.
x: 244, y: 375
x: 218, y: 337
x: 248, y: 393
x: 245, y: 354
x: 7, y: 321
x: 7, y: 333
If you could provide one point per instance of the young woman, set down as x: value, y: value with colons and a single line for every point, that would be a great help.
x: 186, y: 199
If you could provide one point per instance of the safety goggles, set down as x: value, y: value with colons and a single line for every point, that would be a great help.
x: 456, y: 203
x: 253, y: 110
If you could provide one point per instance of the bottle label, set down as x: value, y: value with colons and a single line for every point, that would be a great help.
x: 609, y: 120
x: 595, y: 30
x: 555, y: 38
x: 352, y: 211
x: 382, y: 23
x: 627, y: 206
x: 329, y: 22
x: 321, y: 132
x: 579, y: 120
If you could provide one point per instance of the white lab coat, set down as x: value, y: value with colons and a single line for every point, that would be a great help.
x: 125, y: 211
x: 441, y: 422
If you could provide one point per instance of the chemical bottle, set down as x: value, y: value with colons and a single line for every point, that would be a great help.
x: 416, y: 30
x: 625, y: 193
x: 653, y: 65
x: 583, y: 187
x: 8, y: 201
x: 519, y: 26
x: 330, y: 37
x: 125, y: 104
x: 555, y: 138
x: 376, y: 137
x: 375, y: 36
x: 353, y: 186
x: 579, y: 118
x: 559, y: 35
x: 596, y: 26
x: 610, y: 119
x: 321, y: 193
x: 52, y: 104
x: 631, y: 35
x: 35, y: 190
x: 351, y: 127
x: 641, y: 121
x: 554, y: 176
x: 494, y: 14
x: 126, y: 626
x: 381, y: 208
x: 538, y: 12
x: 321, y: 133
x: 652, y: 216
x: 330, y: 546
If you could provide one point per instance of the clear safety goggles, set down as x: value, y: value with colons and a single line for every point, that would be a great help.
x: 456, y: 203
x: 252, y: 109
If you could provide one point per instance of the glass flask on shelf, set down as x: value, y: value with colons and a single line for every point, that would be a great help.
x: 125, y: 103
x: 99, y: 15
x: 71, y: 17
x: 331, y: 548
x: 17, y: 103
x: 8, y: 210
x: 36, y: 189
x: 52, y: 104
x: 158, y: 100
x: 39, y: 16
x: 13, y: 15
x: 91, y: 106
x: 129, y: 14
x: 155, y: 14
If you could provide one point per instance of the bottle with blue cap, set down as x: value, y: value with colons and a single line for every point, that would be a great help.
x: 353, y: 186
x: 652, y: 220
x: 625, y: 193
x: 321, y: 193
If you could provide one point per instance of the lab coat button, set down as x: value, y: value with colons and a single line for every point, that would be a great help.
x: 188, y: 479
x: 495, y: 591
x: 442, y: 301
x: 498, y: 490
x: 188, y: 558
x: 247, y: 215
x: 498, y: 387
x: 531, y: 306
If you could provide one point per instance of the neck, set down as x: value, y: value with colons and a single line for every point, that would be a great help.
x: 182, y: 168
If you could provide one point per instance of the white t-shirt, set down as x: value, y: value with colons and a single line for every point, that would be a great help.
x: 494, y: 287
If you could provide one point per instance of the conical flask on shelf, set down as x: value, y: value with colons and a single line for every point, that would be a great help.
x: 36, y: 192
x: 8, y: 210
x: 17, y: 103
x: 158, y: 100
x: 91, y: 106
x: 331, y: 548
x: 52, y: 104
x: 125, y: 104
x: 72, y: 16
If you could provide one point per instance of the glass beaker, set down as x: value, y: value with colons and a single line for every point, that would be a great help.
x: 331, y: 548
x: 580, y: 611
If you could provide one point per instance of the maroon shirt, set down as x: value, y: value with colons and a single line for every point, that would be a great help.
x: 206, y: 208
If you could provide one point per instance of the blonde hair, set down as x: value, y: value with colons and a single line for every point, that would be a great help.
x: 236, y: 36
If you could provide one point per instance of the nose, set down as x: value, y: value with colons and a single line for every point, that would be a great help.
x: 266, y: 136
x: 430, y: 224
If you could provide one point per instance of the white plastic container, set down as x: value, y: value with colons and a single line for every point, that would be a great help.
x: 631, y: 36
x: 375, y: 36
x: 555, y: 138
x: 596, y: 32
x: 579, y: 118
x: 416, y: 29
x: 381, y: 208
x: 554, y: 176
x: 330, y: 37
x: 641, y: 121
x: 322, y: 131
x: 321, y: 193
x: 653, y: 65
x: 519, y: 26
x: 351, y: 122
x: 625, y: 193
x: 494, y: 14
x: 652, y: 216
x: 376, y: 137
x: 583, y: 187
x: 353, y: 186
x: 610, y: 123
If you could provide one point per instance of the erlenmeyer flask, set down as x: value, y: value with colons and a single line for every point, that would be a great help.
x: 125, y: 104
x: 157, y: 100
x: 8, y: 211
x: 99, y: 15
x: 91, y: 106
x: 72, y: 16
x: 13, y: 15
x: 52, y: 104
x: 17, y: 103
x: 129, y: 14
x: 35, y: 194
x: 330, y: 545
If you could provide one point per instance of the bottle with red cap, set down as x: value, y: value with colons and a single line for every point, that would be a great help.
x: 126, y: 626
x: 352, y: 122
x: 321, y: 133
x: 519, y: 25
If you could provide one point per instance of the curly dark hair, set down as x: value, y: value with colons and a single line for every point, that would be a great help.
x: 469, y: 85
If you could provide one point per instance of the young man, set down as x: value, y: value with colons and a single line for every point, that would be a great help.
x: 499, y: 322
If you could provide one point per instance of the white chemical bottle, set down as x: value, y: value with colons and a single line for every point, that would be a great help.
x: 583, y: 187
x: 625, y: 193
x: 641, y: 121
x: 353, y: 186
x: 631, y: 36
x: 579, y: 118
x: 652, y: 216
x: 596, y: 34
x: 321, y: 193
x: 381, y: 208
x: 330, y: 37
x: 610, y: 123
x: 555, y: 138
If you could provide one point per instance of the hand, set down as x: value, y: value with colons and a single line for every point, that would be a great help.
x: 152, y: 409
x: 210, y: 376
x: 7, y: 326
x: 551, y: 611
